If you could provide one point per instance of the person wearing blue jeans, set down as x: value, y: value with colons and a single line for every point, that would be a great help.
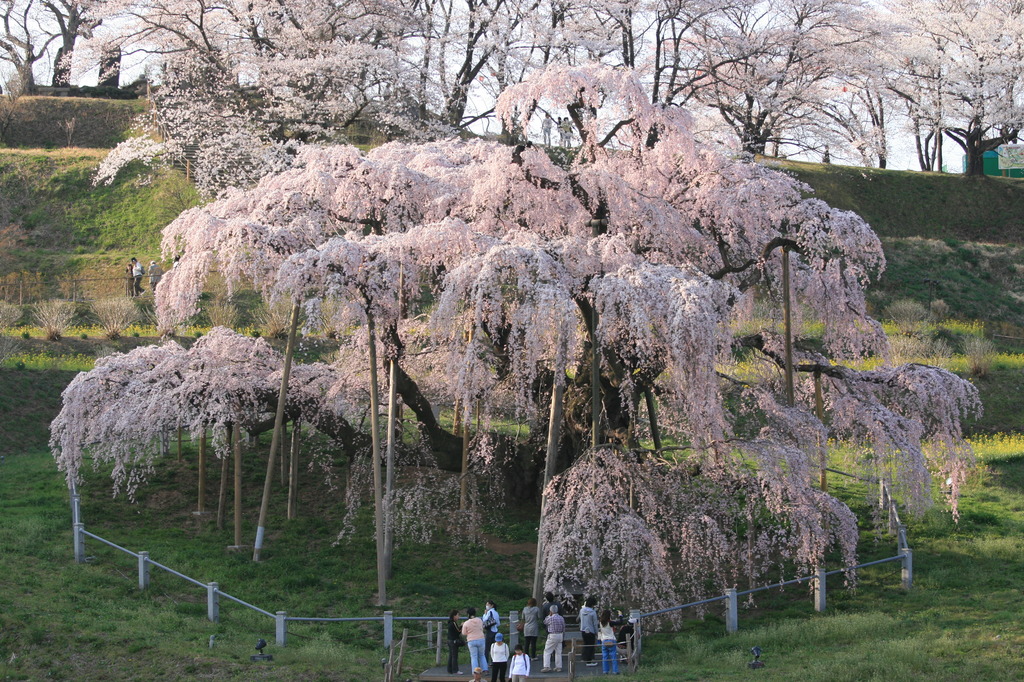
x: 609, y: 646
x: 477, y: 654
x: 473, y: 631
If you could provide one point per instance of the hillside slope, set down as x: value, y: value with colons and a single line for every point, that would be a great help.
x: 901, y: 204
x: 946, y: 237
x: 60, y: 220
x: 66, y: 121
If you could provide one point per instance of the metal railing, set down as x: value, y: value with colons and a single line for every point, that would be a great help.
x: 904, y: 555
x: 23, y: 288
x: 434, y: 636
x: 214, y: 593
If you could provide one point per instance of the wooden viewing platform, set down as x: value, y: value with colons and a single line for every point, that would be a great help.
x: 441, y: 675
x: 572, y: 665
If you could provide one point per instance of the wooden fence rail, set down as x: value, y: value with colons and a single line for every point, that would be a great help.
x: 434, y: 624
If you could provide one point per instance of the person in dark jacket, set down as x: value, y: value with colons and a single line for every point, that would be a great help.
x: 454, y: 641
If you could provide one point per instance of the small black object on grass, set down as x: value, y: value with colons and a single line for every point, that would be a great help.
x: 261, y: 644
x: 757, y: 662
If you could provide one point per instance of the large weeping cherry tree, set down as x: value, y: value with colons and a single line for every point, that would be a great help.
x: 686, y: 460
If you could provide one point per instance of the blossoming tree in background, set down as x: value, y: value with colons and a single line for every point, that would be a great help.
x: 615, y: 292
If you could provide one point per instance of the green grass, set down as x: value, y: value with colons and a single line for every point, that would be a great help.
x: 93, y: 614
x: 945, y: 237
x: 980, y: 281
x: 902, y: 204
x: 69, y: 226
x: 960, y: 620
x: 61, y: 620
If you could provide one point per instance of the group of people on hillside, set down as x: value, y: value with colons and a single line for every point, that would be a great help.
x: 488, y: 650
x: 135, y: 272
x: 564, y: 127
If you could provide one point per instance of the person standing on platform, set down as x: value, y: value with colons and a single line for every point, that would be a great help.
x: 499, y: 659
x: 609, y: 645
x: 473, y: 631
x: 588, y: 629
x: 454, y: 642
x: 531, y: 627
x: 555, y: 625
x: 492, y: 621
x: 519, y: 666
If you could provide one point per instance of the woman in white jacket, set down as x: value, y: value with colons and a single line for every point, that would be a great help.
x: 519, y: 665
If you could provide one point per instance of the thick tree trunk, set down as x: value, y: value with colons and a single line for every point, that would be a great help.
x: 974, y: 144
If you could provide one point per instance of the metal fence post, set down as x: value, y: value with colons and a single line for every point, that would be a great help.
x: 907, y: 573
x: 281, y: 629
x: 732, y: 621
x: 901, y: 538
x: 143, y: 570
x: 437, y: 652
x: 634, y: 615
x: 79, y: 532
x: 513, y: 633
x: 212, y: 603
x: 76, y: 508
x: 819, y: 590
x: 389, y: 627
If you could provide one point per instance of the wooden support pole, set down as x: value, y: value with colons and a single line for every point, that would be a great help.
x: 222, y: 497
x: 464, y: 479
x: 595, y: 384
x: 293, y: 475
x: 389, y: 490
x: 237, y: 439
x: 787, y: 322
x: 276, y: 439
x: 550, y: 460
x: 284, y: 449
x: 378, y: 482
x: 202, y: 472
x: 819, y: 408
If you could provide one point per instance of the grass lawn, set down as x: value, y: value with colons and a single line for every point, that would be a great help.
x: 61, y: 620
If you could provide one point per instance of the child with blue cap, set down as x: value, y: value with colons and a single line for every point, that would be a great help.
x: 499, y: 658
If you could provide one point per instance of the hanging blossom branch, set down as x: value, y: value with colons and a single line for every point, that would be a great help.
x: 695, y: 527
x: 143, y: 149
x: 117, y: 411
